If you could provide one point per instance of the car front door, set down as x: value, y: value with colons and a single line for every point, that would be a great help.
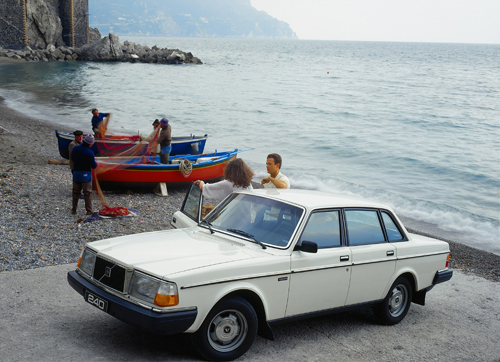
x: 373, y: 258
x: 190, y: 212
x: 320, y: 281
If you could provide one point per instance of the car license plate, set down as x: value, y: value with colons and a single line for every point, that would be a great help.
x: 96, y: 301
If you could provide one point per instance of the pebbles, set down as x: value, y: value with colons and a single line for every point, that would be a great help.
x: 37, y: 228
x: 36, y: 225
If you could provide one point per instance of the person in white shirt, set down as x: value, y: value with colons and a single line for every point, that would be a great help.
x: 237, y: 176
x: 276, y: 178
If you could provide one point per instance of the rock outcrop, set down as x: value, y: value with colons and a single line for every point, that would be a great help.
x: 43, y: 23
x: 110, y: 49
x: 106, y: 49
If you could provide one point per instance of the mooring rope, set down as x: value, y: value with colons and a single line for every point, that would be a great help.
x: 185, y: 167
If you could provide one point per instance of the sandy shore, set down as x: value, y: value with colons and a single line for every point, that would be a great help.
x: 37, y: 229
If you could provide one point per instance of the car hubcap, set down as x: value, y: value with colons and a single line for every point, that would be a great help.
x: 397, y: 301
x: 227, y: 331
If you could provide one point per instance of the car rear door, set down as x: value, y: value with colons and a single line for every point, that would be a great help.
x: 320, y: 281
x: 373, y: 257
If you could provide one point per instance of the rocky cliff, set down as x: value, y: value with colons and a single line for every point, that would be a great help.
x: 186, y: 18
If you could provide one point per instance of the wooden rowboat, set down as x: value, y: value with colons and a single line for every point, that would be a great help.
x: 114, y: 144
x: 139, y: 172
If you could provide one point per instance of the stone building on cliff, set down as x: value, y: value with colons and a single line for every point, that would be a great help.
x: 38, y: 23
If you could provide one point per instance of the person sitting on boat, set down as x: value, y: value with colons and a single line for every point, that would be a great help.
x: 84, y: 161
x: 237, y: 176
x: 165, y: 140
x: 275, y: 179
x: 77, y: 141
x: 97, y: 119
x: 152, y: 137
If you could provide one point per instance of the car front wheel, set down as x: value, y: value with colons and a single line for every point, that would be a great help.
x: 228, y: 331
x: 396, y: 304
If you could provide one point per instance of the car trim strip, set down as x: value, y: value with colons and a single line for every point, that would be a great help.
x: 424, y: 255
x: 234, y: 280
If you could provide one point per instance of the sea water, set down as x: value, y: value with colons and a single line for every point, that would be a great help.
x: 412, y: 125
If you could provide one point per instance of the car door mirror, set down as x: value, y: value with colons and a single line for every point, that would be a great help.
x: 307, y: 247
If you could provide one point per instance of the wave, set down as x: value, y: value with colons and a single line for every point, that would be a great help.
x: 448, y: 222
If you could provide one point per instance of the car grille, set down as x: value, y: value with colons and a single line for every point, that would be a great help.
x: 109, y: 274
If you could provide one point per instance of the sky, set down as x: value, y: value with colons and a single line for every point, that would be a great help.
x: 439, y: 21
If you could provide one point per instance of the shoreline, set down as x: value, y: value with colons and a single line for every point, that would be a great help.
x: 38, y: 230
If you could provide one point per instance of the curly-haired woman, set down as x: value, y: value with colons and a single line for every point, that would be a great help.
x: 237, y: 176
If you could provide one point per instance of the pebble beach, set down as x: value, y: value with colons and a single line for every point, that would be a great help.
x: 38, y: 230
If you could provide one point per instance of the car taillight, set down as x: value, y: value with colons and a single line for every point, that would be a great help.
x: 448, y: 261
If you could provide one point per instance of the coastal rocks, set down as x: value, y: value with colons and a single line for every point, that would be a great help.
x: 51, y: 53
x: 108, y: 48
x: 137, y: 53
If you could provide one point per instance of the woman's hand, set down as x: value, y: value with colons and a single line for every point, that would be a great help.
x: 200, y: 184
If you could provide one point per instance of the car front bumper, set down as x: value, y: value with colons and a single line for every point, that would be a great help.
x: 146, y: 319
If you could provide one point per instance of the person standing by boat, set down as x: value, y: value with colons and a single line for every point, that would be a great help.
x: 165, y: 140
x: 77, y: 141
x: 83, y: 163
x: 97, y: 119
x: 155, y: 149
x: 275, y: 179
x: 237, y: 176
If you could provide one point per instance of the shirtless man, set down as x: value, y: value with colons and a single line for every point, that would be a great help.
x: 276, y: 178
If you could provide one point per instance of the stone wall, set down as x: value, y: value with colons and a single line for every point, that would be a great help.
x: 74, y: 15
x: 12, y: 24
x: 47, y: 22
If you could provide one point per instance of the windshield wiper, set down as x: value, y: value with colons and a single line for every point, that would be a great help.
x: 250, y: 236
x: 209, y: 225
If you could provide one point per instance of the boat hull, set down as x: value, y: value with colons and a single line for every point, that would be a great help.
x: 180, y: 145
x: 151, y: 174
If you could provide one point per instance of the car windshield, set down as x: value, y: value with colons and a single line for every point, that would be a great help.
x: 265, y: 220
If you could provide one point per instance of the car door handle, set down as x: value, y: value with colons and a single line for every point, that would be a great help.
x: 390, y: 253
x: 344, y: 258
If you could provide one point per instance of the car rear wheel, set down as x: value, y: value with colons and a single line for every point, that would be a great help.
x: 396, y: 304
x: 228, y: 331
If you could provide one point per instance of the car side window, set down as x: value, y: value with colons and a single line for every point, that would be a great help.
x: 393, y: 232
x: 323, y: 228
x: 363, y: 227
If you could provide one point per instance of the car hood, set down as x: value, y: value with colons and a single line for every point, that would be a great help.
x: 164, y: 253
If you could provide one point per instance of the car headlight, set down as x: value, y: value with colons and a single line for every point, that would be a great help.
x: 87, y: 261
x: 153, y: 290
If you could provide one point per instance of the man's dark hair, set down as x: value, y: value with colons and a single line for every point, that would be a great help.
x: 276, y: 158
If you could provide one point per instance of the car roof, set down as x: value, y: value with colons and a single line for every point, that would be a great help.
x: 315, y: 199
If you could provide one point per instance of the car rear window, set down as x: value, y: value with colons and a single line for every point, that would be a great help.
x: 363, y: 227
x: 393, y: 232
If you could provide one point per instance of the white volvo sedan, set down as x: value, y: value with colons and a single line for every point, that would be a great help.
x: 258, y: 258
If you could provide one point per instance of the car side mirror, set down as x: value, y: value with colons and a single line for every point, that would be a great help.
x: 307, y: 247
